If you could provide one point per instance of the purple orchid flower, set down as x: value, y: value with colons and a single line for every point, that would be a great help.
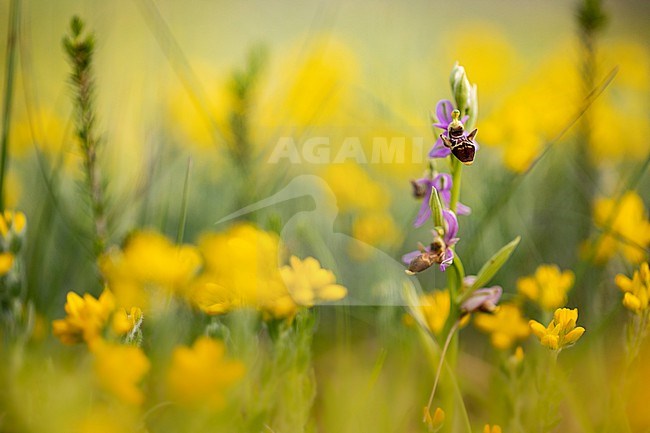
x: 444, y: 108
x: 484, y: 299
x: 423, y: 189
x: 439, y: 251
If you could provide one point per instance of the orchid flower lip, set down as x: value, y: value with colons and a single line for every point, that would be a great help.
x: 439, y: 251
x: 445, y: 117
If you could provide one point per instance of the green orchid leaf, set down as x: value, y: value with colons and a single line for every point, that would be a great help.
x: 492, y: 266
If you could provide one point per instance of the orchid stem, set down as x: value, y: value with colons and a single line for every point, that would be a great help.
x: 452, y: 331
x: 456, y: 175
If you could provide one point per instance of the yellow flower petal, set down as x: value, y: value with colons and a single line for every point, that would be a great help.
x: 6, y: 263
x: 519, y: 354
x: 332, y: 292
x: 623, y: 283
x: 119, y: 370
x: 538, y: 329
x: 199, y: 374
x: 574, y: 335
x: 631, y: 302
x: 19, y: 222
x: 551, y: 341
x: 438, y: 419
x: 506, y: 325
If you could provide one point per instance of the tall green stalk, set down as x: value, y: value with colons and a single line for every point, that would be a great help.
x: 456, y: 176
x: 80, y: 50
x: 10, y: 71
x: 243, y: 84
x: 591, y: 21
x: 184, y: 203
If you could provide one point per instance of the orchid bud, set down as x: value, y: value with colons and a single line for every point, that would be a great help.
x: 461, y: 89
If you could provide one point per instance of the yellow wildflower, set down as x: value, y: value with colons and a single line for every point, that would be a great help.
x: 199, y: 374
x: 119, y: 369
x: 46, y: 130
x: 505, y: 326
x: 306, y: 284
x: 435, y: 309
x: 519, y: 354
x: 124, y: 322
x: 148, y: 259
x: 354, y: 189
x: 629, y: 229
x: 548, y: 286
x: 628, y: 93
x: 561, y: 332
x: 515, y: 360
x: 210, y: 297
x: 436, y: 421
x: 534, y: 113
x: 190, y: 123
x: 151, y: 257
x: 6, y: 263
x: 283, y: 307
x: 86, y: 317
x: 240, y: 270
x: 12, y: 222
x: 636, y: 290
x: 472, y: 48
x: 494, y: 429
x: 314, y: 88
x: 375, y: 228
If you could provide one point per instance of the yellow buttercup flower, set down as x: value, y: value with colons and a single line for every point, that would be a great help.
x: 124, y: 322
x: 241, y: 270
x: 519, y: 354
x: 629, y: 228
x: 189, y: 123
x: 472, y: 48
x: 375, y: 228
x: 314, y: 86
x: 532, y: 114
x: 86, y: 317
x: 561, y: 332
x: 12, y: 223
x: 494, y: 429
x: 505, y: 326
x: 354, y: 189
x: 119, y: 369
x: 46, y: 131
x: 210, y: 297
x: 435, y: 309
x: 151, y: 257
x: 148, y: 259
x: 308, y: 283
x: 628, y: 93
x: 636, y: 290
x: 200, y: 374
x: 436, y: 421
x: 548, y: 286
x: 6, y: 263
